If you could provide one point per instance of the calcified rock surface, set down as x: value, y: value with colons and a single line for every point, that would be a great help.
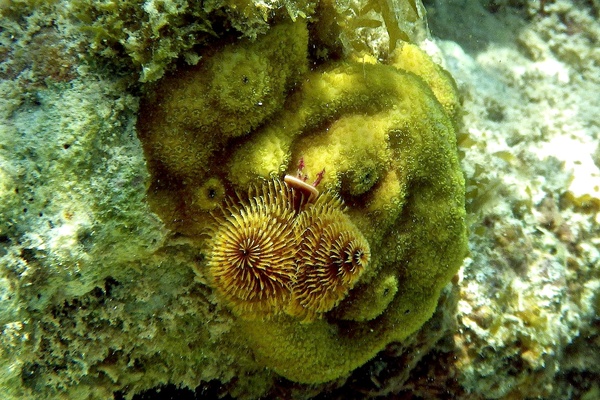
x: 529, y: 292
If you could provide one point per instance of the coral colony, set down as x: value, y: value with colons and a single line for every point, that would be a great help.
x: 288, y: 262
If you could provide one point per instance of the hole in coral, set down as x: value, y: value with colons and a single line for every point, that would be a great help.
x: 30, y: 374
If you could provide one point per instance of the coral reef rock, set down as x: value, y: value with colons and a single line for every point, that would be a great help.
x: 129, y: 131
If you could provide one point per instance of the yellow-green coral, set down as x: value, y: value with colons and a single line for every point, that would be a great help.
x: 410, y: 58
x: 209, y: 195
x: 418, y: 236
x: 193, y: 114
x: 384, y: 136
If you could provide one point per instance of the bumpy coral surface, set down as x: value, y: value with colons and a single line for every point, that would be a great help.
x: 384, y: 136
x: 99, y: 300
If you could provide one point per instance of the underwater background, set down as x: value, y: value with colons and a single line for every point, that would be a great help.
x: 461, y: 139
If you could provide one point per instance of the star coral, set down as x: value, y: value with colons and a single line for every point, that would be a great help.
x: 242, y: 86
x: 384, y: 134
x: 99, y: 301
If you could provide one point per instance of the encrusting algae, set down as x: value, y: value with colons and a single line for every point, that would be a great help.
x: 317, y: 286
